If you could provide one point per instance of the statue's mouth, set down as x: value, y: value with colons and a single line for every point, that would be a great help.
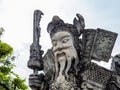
x: 61, y: 54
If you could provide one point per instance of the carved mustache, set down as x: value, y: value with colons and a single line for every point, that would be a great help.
x: 57, y: 50
x: 60, y: 53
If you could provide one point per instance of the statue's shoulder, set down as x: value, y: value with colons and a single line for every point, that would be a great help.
x: 96, y: 77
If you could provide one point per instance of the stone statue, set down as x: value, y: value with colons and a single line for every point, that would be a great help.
x: 115, y: 66
x: 67, y: 65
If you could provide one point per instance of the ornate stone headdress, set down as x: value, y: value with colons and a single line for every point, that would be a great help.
x: 58, y: 24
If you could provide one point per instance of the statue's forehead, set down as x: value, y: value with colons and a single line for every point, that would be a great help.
x: 61, y: 34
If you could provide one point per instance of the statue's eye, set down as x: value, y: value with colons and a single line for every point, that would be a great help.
x: 54, y: 43
x: 65, y: 40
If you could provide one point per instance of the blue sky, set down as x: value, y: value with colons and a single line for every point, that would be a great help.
x: 16, y: 17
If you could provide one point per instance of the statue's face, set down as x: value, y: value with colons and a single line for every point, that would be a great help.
x: 64, y: 52
x: 62, y: 40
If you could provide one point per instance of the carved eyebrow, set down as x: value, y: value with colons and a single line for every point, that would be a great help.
x: 67, y: 36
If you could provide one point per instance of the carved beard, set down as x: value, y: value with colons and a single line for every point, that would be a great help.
x: 63, y: 60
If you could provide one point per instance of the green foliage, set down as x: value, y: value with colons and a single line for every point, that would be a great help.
x: 1, y: 88
x: 9, y: 79
x: 5, y: 50
x: 19, y: 83
x: 5, y: 70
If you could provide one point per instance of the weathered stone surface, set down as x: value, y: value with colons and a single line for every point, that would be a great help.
x: 98, y: 44
x: 67, y: 65
x: 115, y: 65
x: 35, y: 62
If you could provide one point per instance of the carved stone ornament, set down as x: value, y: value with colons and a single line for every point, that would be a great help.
x: 67, y: 65
x: 98, y: 44
x: 115, y: 65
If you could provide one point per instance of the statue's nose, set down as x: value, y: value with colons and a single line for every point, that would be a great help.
x: 59, y: 46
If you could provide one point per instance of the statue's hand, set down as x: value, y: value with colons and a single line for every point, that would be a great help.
x: 35, y: 80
